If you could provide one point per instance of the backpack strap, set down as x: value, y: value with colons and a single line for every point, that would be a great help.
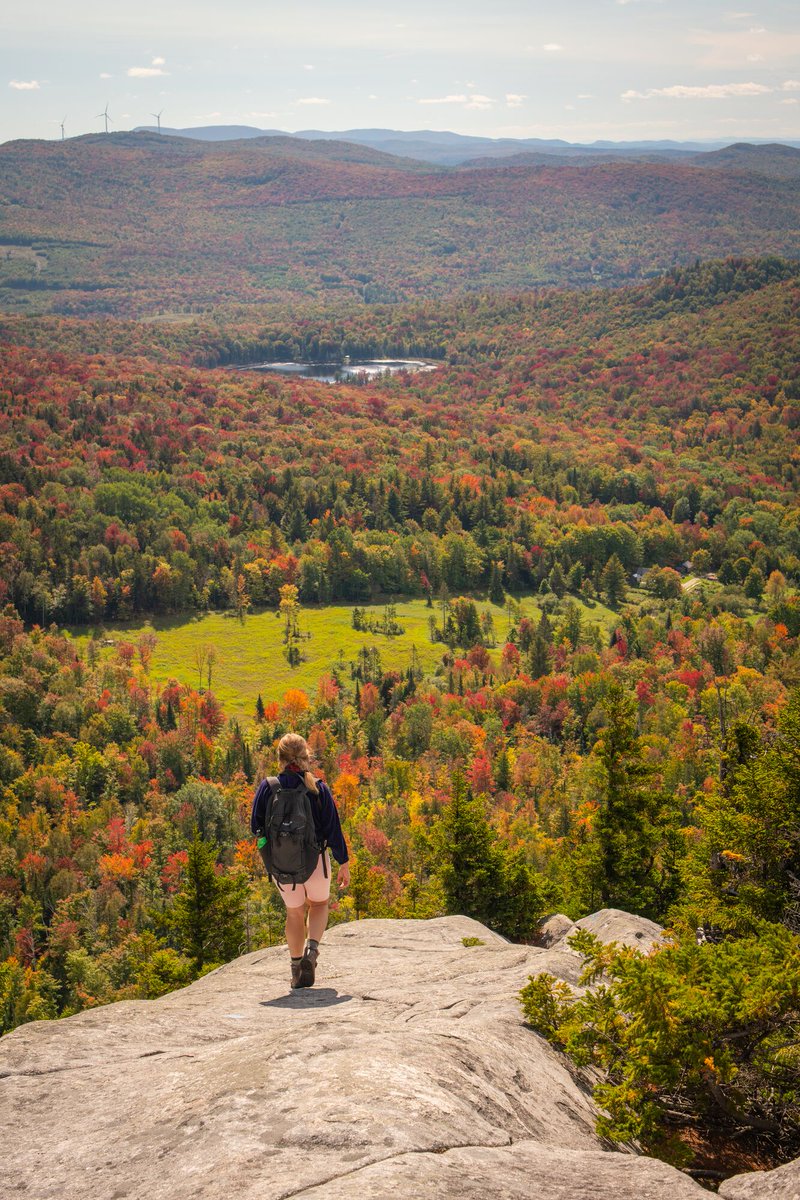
x: 274, y: 785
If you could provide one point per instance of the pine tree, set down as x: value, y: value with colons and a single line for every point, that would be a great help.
x: 247, y: 762
x: 480, y: 876
x: 575, y: 577
x: 613, y: 581
x: 260, y: 712
x: 496, y: 593
x: 523, y: 898
x: 467, y: 857
x: 558, y: 583
x: 744, y: 868
x: 539, y: 657
x: 630, y: 859
x: 208, y: 912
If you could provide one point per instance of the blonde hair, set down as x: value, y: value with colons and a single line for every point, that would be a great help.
x: 293, y: 750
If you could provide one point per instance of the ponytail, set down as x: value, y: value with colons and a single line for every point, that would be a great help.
x: 293, y: 752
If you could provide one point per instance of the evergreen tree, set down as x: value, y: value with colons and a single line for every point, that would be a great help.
x: 575, y: 577
x: 572, y: 628
x: 496, y: 593
x: 480, y: 876
x: 613, y: 581
x: 744, y: 868
x: 260, y: 713
x: 247, y: 762
x: 208, y: 912
x: 558, y: 583
x: 523, y: 898
x: 468, y: 860
x: 630, y: 858
x: 539, y: 657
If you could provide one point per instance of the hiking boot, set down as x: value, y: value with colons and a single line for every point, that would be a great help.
x: 308, y: 968
x: 297, y: 970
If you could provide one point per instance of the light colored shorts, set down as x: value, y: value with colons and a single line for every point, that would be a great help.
x: 316, y: 888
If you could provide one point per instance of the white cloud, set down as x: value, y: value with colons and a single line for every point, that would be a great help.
x: 585, y: 96
x: 444, y: 100
x: 790, y: 101
x: 21, y: 85
x: 145, y: 72
x: 728, y: 50
x: 313, y: 100
x: 105, y: 75
x: 255, y: 116
x: 308, y: 66
x: 158, y: 62
x: 515, y: 99
x: 712, y: 91
x: 372, y: 96
x: 551, y: 47
x: 474, y: 101
x: 791, y: 85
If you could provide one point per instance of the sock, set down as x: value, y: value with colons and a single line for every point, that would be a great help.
x: 298, y: 959
x: 311, y: 944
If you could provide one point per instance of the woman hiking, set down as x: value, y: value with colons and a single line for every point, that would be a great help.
x: 294, y: 849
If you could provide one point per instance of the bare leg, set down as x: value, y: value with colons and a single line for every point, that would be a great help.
x: 295, y: 930
x: 317, y: 919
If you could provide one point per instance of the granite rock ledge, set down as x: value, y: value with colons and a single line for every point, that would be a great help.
x: 406, y: 1070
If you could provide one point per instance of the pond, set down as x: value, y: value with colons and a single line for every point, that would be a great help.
x: 348, y: 369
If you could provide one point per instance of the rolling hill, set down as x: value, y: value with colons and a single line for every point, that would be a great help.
x: 136, y: 223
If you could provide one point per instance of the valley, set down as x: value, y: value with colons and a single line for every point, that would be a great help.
x: 534, y: 607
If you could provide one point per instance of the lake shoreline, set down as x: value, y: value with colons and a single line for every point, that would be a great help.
x: 341, y: 371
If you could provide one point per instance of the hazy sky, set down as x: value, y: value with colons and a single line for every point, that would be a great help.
x: 576, y: 69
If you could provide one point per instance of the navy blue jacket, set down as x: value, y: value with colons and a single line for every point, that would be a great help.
x: 326, y: 816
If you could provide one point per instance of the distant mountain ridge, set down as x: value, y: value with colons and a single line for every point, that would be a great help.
x: 775, y: 159
x: 132, y: 223
x: 452, y: 149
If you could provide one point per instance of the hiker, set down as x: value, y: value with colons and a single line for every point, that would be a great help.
x: 295, y: 850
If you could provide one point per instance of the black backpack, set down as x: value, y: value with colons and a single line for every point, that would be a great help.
x: 291, y: 850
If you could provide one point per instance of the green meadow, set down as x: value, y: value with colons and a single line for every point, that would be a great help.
x: 249, y: 653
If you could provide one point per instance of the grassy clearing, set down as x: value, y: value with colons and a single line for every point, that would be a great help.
x: 250, y: 655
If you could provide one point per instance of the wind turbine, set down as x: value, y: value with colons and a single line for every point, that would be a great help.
x: 158, y: 118
x: 62, y: 128
x: 104, y: 115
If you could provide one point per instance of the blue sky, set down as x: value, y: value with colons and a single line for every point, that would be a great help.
x: 578, y: 69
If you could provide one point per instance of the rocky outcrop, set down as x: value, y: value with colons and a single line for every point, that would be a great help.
x: 609, y: 925
x: 781, y: 1184
x: 406, y: 1071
